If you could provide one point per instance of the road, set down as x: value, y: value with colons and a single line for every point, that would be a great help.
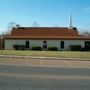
x: 15, y: 77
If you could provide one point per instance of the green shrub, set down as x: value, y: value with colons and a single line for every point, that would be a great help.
x: 86, y: 49
x: 19, y: 47
x: 75, y: 47
x: 36, y: 48
x: 16, y: 47
x: 52, y: 48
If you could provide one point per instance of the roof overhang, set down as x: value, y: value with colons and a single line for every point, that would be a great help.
x: 49, y: 37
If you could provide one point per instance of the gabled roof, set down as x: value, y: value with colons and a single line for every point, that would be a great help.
x: 43, y: 31
x: 49, y: 33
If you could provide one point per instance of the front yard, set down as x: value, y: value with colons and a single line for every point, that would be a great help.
x: 61, y: 54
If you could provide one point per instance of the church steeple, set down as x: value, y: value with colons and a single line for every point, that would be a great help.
x: 70, y: 21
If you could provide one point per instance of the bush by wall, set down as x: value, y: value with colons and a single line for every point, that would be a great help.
x: 19, y: 47
x: 52, y: 48
x: 16, y: 47
x: 38, y: 48
x: 86, y: 48
x: 75, y: 47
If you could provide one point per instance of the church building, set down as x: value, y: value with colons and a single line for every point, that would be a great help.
x: 44, y: 37
x: 60, y: 37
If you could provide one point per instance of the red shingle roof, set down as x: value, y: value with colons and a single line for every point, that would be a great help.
x: 46, y: 31
x: 50, y: 33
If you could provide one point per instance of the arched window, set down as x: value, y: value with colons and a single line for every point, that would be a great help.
x: 62, y: 44
x: 27, y: 44
x: 44, y: 44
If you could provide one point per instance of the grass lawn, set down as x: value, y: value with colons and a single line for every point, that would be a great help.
x: 62, y: 54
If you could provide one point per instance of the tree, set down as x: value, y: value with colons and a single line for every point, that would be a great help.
x: 10, y: 26
x: 35, y: 24
x: 86, y: 33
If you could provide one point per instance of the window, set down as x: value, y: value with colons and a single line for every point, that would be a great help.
x: 62, y: 44
x: 44, y: 44
x: 27, y: 44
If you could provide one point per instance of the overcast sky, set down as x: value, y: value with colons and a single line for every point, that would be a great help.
x: 45, y: 13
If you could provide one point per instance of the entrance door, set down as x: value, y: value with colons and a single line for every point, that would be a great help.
x: 44, y: 44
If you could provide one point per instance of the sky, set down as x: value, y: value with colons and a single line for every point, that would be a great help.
x: 47, y: 13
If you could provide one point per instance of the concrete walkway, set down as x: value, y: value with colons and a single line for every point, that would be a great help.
x: 44, y: 58
x: 44, y: 61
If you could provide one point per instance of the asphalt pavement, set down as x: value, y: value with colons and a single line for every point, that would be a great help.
x: 13, y: 77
